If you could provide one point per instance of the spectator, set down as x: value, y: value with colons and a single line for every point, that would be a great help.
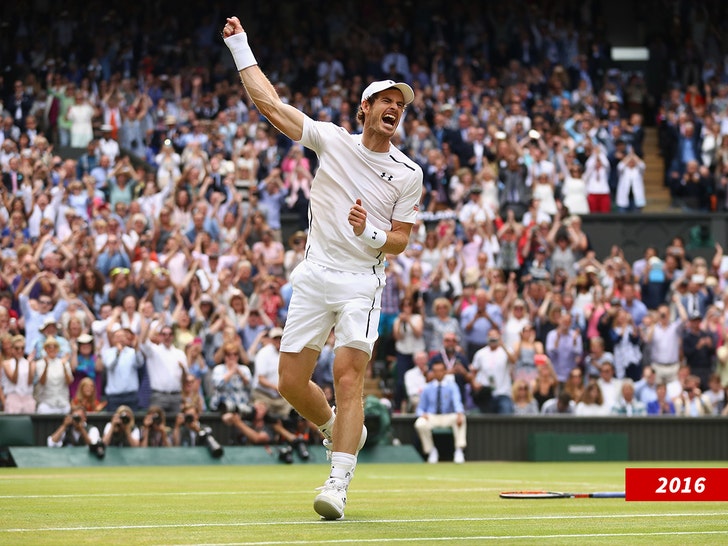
x: 626, y: 342
x: 698, y: 348
x: 54, y: 377
x: 523, y: 401
x: 85, y: 363
x: 664, y: 340
x: 265, y: 377
x: 716, y: 394
x: 646, y: 387
x: 440, y: 322
x: 18, y: 375
x: 564, y: 347
x: 692, y: 402
x: 562, y: 405
x: 231, y: 381
x: 491, y: 376
x: 191, y: 394
x: 526, y: 350
x: 591, y: 403
x: 596, y: 357
x: 574, y: 385
x: 456, y: 363
x: 631, y: 185
x: 440, y: 406
x: 661, y: 405
x: 415, y: 380
x: 36, y: 311
x: 121, y: 362
x: 408, y: 329
x: 166, y: 366
x: 477, y: 320
x: 86, y: 396
x: 609, y: 386
x: 628, y: 405
x: 546, y: 384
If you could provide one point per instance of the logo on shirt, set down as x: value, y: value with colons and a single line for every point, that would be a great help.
x: 386, y: 176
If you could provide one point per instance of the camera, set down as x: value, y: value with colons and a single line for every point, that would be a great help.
x: 189, y: 418
x: 156, y: 419
x: 213, y: 446
x: 285, y: 454
x: 98, y: 449
x: 76, y: 419
x: 125, y: 417
x: 300, y: 445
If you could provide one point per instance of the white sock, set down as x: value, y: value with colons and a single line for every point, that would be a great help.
x: 327, y: 429
x: 342, y: 465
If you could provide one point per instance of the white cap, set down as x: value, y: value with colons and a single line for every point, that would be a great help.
x: 376, y: 87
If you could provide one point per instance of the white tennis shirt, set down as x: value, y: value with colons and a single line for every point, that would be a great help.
x: 388, y: 184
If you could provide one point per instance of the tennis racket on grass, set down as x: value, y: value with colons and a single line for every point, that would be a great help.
x: 559, y: 495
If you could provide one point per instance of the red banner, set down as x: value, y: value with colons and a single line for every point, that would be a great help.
x: 676, y: 484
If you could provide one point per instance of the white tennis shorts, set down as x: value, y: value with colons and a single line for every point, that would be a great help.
x: 323, y: 299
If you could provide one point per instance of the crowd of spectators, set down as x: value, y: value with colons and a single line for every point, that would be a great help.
x: 142, y: 203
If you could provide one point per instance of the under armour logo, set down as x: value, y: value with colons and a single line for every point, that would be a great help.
x: 374, y: 236
x: 387, y: 176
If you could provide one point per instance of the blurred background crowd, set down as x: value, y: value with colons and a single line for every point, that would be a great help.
x: 150, y: 217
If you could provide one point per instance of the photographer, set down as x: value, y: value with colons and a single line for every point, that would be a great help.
x: 74, y: 431
x: 154, y: 429
x: 186, y: 427
x: 188, y: 432
x: 120, y: 431
x: 255, y: 425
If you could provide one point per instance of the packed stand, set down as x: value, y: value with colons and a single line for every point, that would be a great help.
x: 149, y: 272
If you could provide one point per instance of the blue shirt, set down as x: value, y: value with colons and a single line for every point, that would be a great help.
x: 638, y: 310
x: 450, y: 400
x: 121, y: 370
x: 479, y: 333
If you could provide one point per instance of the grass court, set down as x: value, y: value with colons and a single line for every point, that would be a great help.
x: 398, y: 504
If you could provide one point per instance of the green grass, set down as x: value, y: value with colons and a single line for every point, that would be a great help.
x: 397, y: 504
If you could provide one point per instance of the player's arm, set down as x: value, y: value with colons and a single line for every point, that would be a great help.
x: 284, y: 117
x: 397, y: 238
x: 388, y: 242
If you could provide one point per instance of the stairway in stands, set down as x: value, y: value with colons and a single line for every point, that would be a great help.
x: 657, y: 195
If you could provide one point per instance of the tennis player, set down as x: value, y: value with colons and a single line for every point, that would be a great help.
x: 364, y: 201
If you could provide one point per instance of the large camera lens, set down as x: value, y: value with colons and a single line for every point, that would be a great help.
x: 125, y: 417
x: 189, y: 418
x: 76, y: 419
x: 157, y: 419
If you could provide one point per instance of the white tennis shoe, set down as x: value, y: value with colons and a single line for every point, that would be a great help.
x: 330, y: 503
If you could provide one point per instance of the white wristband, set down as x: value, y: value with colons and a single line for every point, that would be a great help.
x: 242, y: 54
x: 374, y: 237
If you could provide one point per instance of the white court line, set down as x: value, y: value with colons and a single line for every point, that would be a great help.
x: 353, y: 522
x: 216, y: 493
x: 454, y: 539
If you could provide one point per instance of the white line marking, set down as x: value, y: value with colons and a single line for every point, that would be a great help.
x: 453, y: 539
x: 354, y: 522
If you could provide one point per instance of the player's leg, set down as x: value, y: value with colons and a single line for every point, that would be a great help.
x: 349, y: 370
x: 295, y: 385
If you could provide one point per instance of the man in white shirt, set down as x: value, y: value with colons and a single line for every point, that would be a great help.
x: 364, y: 202
x: 492, y: 370
x: 415, y: 380
x: 166, y: 367
x: 664, y: 338
x: 265, y: 378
